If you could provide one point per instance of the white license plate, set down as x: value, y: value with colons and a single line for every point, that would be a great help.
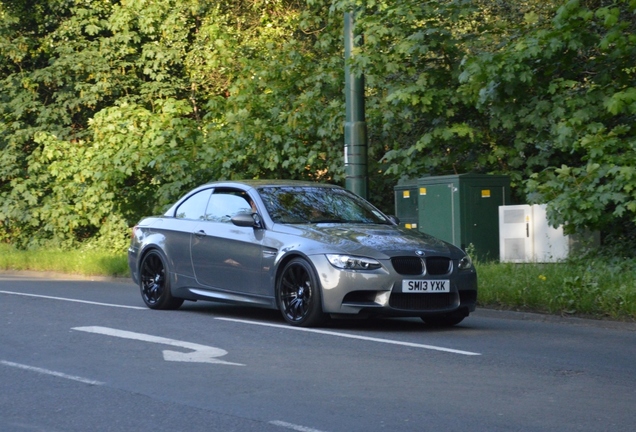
x: 426, y: 286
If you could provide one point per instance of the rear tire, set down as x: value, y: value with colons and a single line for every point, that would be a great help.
x: 298, y: 294
x: 154, y: 283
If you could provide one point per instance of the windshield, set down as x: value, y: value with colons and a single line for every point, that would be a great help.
x: 299, y: 205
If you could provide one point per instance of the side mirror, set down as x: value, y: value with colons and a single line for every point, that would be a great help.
x: 245, y: 219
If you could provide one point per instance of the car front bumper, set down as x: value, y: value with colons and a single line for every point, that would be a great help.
x: 378, y: 292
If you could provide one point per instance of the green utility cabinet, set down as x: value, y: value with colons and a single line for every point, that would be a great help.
x: 461, y: 209
x: 406, y: 203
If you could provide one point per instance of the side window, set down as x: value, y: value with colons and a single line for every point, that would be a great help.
x: 194, y: 207
x: 225, y: 204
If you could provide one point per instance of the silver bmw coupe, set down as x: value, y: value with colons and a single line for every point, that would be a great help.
x: 310, y: 250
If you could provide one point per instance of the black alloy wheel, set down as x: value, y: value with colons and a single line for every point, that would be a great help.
x: 298, y: 293
x: 154, y: 283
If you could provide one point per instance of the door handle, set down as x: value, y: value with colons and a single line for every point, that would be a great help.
x: 200, y: 234
x: 527, y: 230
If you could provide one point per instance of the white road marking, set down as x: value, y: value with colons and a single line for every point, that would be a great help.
x: 205, y: 354
x: 73, y: 300
x: 293, y: 426
x: 200, y: 353
x: 350, y: 336
x: 50, y: 372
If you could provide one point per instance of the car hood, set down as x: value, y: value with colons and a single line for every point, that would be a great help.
x: 373, y: 240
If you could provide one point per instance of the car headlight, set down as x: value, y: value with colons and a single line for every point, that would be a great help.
x: 348, y: 262
x: 465, y: 263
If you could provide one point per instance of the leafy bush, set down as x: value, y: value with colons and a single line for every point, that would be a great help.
x: 111, y: 110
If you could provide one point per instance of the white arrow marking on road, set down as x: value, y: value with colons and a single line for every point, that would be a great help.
x: 200, y: 353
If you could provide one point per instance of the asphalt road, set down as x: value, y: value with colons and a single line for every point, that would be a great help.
x: 79, y: 355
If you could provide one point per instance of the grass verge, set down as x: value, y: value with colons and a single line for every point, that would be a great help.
x: 595, y: 289
x: 602, y: 288
x: 85, y: 263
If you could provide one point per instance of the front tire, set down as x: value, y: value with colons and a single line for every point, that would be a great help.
x: 154, y: 283
x: 298, y: 294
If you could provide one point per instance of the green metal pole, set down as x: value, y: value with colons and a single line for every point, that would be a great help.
x: 356, y: 171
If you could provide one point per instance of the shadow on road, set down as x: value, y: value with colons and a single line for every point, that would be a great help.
x: 271, y: 316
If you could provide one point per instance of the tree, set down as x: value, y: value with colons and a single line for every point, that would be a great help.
x: 274, y: 73
x: 413, y: 57
x: 84, y: 62
x: 564, y: 97
x: 126, y: 105
x: 110, y: 110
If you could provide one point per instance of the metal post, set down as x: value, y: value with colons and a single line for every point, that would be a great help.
x: 356, y: 171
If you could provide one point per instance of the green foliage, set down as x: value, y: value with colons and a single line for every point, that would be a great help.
x: 65, y: 175
x: 411, y: 60
x: 109, y: 110
x: 133, y: 165
x: 598, y: 288
x: 563, y: 96
x: 422, y: 120
x: 117, y: 108
x: 85, y: 262
x: 277, y: 81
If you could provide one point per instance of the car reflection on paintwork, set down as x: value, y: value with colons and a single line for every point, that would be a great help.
x: 310, y: 250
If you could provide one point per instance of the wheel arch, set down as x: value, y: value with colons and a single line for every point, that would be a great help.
x: 282, y: 262
x: 153, y: 247
x: 146, y: 250
x: 280, y: 266
x: 164, y: 299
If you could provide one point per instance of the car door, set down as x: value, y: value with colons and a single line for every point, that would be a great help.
x: 178, y: 231
x: 225, y: 256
